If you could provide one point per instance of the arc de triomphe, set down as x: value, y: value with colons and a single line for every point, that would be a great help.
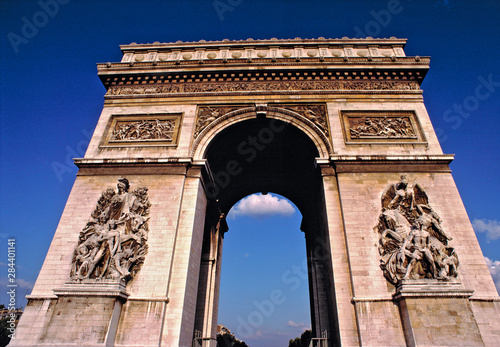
x: 338, y: 126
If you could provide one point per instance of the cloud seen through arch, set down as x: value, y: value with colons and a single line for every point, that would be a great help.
x: 258, y: 205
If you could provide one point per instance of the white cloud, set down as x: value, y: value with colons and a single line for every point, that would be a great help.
x: 259, y: 205
x: 490, y: 227
x: 24, y: 284
x: 494, y: 267
x: 293, y: 324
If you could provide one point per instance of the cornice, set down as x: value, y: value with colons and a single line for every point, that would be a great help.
x: 133, y: 166
x: 417, y: 64
x: 226, y: 43
x: 388, y: 163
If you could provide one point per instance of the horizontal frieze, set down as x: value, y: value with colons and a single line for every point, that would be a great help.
x: 287, y: 86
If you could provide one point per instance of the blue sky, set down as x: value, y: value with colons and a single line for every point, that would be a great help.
x: 51, y: 98
x: 264, y: 290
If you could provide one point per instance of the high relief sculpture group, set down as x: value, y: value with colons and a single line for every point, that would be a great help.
x: 113, y: 244
x: 413, y: 244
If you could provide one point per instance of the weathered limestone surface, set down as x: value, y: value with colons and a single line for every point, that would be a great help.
x: 140, y: 315
x: 340, y: 262
x: 90, y: 321
x: 442, y: 322
x: 379, y: 323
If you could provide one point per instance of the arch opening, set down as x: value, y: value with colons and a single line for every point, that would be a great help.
x: 262, y: 155
x: 264, y: 252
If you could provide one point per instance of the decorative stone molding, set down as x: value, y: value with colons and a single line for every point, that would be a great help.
x: 314, y: 115
x: 142, y: 130
x: 94, y: 288
x: 207, y: 114
x: 113, y: 244
x: 316, y: 123
x: 413, y: 244
x: 391, y: 163
x: 430, y: 288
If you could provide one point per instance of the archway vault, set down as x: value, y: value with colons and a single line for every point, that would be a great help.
x: 265, y: 149
x: 261, y: 154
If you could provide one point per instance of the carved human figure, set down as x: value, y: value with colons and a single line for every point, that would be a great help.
x: 121, y: 263
x: 386, y: 127
x: 446, y: 260
x: 121, y: 203
x: 431, y: 222
x: 314, y: 113
x: 83, y: 264
x: 208, y: 117
x: 112, y: 235
x: 89, y: 254
x: 417, y: 247
x: 404, y: 196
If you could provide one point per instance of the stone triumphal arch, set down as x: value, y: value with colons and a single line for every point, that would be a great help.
x: 187, y: 129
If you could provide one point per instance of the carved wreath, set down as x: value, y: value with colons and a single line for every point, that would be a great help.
x: 113, y: 244
x: 413, y: 244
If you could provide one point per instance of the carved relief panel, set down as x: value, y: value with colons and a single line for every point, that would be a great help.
x: 142, y: 130
x: 381, y: 127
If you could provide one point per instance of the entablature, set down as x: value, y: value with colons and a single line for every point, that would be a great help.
x: 264, y: 65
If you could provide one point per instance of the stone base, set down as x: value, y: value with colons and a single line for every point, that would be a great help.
x: 437, y: 313
x: 430, y: 288
x: 80, y: 314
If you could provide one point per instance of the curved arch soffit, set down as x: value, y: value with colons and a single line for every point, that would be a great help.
x: 317, y: 136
